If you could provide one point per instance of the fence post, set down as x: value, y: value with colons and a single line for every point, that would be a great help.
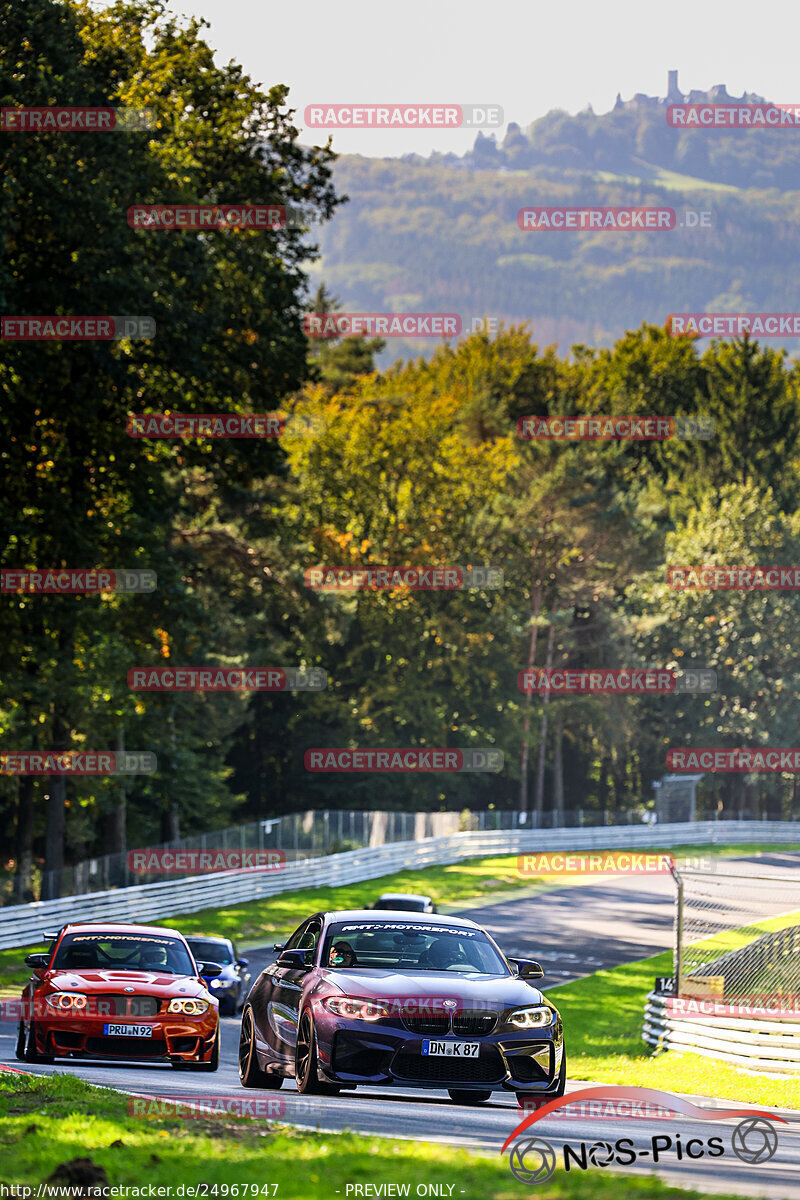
x: 678, y: 964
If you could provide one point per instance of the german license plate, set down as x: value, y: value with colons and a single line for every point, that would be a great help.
x: 128, y: 1030
x: 452, y: 1049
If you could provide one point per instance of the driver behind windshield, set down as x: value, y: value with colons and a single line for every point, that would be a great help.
x: 153, y: 958
x: 441, y: 954
x: 341, y: 955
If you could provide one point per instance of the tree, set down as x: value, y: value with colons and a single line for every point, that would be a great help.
x: 228, y: 309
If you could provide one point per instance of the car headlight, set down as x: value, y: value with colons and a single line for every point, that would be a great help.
x: 218, y: 983
x: 355, y: 1008
x: 190, y: 1008
x: 67, y: 1001
x: 531, y: 1018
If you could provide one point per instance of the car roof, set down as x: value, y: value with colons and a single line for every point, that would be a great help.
x: 206, y: 937
x: 351, y: 914
x: 108, y: 927
x: 404, y: 896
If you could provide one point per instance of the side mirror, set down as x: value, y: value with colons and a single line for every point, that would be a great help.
x: 527, y: 968
x: 209, y: 969
x: 242, y: 962
x: 37, y: 961
x: 295, y: 960
x: 278, y: 945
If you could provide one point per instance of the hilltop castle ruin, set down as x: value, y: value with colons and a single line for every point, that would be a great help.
x: 715, y: 95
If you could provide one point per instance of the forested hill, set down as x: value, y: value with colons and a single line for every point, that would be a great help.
x: 441, y: 233
x: 635, y: 139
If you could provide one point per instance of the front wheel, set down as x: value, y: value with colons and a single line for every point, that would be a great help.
x: 32, y: 1055
x: 459, y: 1096
x: 20, y: 1050
x: 213, y: 1062
x: 306, y: 1073
x: 250, y: 1073
x: 562, y: 1075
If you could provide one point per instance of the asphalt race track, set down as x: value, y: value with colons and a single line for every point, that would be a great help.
x: 568, y: 931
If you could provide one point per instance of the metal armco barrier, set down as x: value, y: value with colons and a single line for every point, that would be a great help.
x: 22, y: 925
x: 754, y: 1043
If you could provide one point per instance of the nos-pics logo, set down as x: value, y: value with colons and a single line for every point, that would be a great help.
x: 533, y: 1159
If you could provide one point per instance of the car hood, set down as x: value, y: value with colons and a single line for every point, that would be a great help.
x: 492, y: 991
x: 154, y: 983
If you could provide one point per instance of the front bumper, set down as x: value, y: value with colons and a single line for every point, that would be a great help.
x: 173, y: 1038
x: 386, y: 1054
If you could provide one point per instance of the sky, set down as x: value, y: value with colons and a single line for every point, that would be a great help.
x: 523, y: 55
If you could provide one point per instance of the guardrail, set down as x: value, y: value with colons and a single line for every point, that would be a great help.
x: 22, y: 925
x: 754, y: 1043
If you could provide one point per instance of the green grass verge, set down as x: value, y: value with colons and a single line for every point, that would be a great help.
x: 603, y: 1016
x: 260, y: 922
x: 46, y: 1121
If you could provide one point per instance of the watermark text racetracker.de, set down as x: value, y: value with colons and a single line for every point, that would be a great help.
x: 65, y: 580
x: 741, y: 760
x: 227, y: 679
x: 620, y: 681
x: 71, y: 119
x: 383, y: 578
x: 78, y: 762
x: 733, y: 116
x: 219, y: 217
x: 402, y: 760
x: 720, y: 578
x: 721, y: 324
x: 615, y: 428
x: 593, y: 218
x: 219, y: 425
x: 157, y: 861
x: 403, y: 116
x: 699, y: 1008
x: 31, y: 328
x: 385, y: 324
x: 609, y: 862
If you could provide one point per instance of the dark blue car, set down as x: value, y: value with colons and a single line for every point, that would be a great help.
x: 230, y: 987
x: 404, y: 999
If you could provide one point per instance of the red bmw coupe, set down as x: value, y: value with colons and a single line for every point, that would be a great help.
x: 119, y: 992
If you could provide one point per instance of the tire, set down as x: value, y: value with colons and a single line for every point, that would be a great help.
x: 20, y: 1050
x: 250, y: 1073
x: 562, y: 1075
x: 305, y: 1062
x: 463, y: 1097
x: 32, y: 1055
x: 213, y: 1062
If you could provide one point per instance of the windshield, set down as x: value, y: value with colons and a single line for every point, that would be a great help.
x: 123, y: 952
x: 410, y: 947
x: 214, y: 952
